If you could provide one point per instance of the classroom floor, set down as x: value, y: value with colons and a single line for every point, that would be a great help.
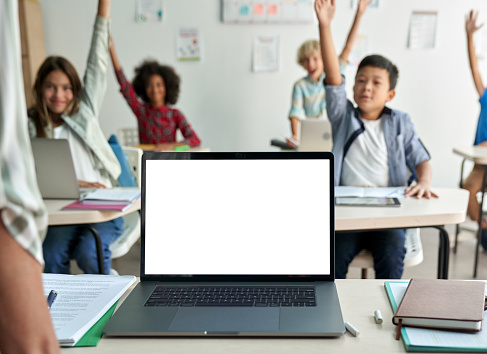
x: 461, y: 263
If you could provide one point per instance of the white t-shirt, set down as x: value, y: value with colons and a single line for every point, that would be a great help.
x: 84, y: 163
x: 366, y: 162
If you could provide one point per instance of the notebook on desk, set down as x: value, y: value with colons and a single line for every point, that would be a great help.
x: 220, y: 257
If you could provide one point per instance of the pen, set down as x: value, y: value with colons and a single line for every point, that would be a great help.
x: 50, y: 298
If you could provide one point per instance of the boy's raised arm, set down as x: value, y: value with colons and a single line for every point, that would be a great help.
x: 113, y: 54
x: 352, y: 35
x: 325, y: 11
x: 471, y: 27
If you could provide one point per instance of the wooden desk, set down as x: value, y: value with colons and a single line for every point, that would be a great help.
x: 449, y: 208
x: 478, y: 155
x: 57, y: 216
x: 358, y: 298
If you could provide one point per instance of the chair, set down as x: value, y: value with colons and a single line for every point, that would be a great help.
x: 131, y: 228
x: 128, y: 136
x: 414, y: 253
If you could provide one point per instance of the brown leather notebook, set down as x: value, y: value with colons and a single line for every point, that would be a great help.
x: 442, y: 304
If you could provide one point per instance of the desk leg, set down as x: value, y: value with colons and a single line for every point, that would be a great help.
x: 443, y: 253
x: 479, y: 232
x: 99, y: 249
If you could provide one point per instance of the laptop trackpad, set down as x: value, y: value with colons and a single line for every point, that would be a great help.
x: 225, y: 319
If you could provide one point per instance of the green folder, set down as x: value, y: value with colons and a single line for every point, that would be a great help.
x: 93, y: 336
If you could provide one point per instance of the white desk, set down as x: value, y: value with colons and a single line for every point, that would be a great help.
x: 359, y: 299
x: 449, y: 208
x: 57, y: 216
x: 478, y: 155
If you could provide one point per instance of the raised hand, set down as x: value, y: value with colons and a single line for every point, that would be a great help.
x: 363, y: 5
x: 325, y: 11
x: 471, y: 22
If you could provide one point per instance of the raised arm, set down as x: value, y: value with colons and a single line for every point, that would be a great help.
x: 325, y: 11
x: 113, y: 54
x: 352, y: 35
x: 471, y: 27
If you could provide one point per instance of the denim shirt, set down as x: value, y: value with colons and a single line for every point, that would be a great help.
x: 85, y: 122
x: 404, y: 148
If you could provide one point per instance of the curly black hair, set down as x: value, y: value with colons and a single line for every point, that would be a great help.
x: 150, y: 67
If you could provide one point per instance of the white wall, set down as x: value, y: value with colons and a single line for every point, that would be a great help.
x: 233, y: 109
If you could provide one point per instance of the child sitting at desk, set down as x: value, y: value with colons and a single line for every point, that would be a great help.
x: 158, y: 87
x: 308, y: 98
x: 473, y: 183
x: 373, y: 146
x: 64, y: 109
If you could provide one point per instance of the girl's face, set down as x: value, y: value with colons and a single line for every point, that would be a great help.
x: 156, y: 90
x: 57, y: 92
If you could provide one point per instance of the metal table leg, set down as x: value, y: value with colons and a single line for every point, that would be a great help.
x: 443, y: 253
x: 479, y: 232
x: 99, y: 249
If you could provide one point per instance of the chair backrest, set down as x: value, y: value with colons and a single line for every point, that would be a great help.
x: 134, y: 157
x: 128, y: 136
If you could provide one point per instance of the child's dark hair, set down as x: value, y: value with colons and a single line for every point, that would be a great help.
x: 378, y: 61
x: 148, y: 68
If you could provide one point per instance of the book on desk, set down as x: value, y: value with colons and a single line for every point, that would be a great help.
x: 434, y: 339
x: 118, y: 199
x: 84, y: 305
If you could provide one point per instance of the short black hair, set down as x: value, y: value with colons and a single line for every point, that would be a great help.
x: 151, y: 67
x: 378, y: 61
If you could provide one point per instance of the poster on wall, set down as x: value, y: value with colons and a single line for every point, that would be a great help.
x: 422, y: 30
x: 149, y: 11
x: 189, y: 44
x: 359, y: 50
x: 265, y: 56
x: 373, y: 3
x: 267, y: 11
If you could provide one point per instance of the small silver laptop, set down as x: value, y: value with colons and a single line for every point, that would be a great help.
x: 222, y: 255
x: 55, y: 171
x: 315, y: 135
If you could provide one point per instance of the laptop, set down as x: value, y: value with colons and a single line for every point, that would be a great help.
x: 223, y: 255
x: 315, y: 135
x: 55, y: 171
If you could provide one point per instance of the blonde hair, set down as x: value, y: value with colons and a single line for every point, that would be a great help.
x: 308, y: 48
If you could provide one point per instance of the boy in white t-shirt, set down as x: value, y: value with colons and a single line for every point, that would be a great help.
x: 373, y: 146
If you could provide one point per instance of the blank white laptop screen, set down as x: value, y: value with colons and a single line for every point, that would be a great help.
x: 237, y: 217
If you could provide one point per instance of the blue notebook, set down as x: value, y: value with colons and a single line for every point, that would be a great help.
x: 434, y: 340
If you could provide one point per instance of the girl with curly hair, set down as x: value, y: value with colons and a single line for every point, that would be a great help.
x: 157, y: 86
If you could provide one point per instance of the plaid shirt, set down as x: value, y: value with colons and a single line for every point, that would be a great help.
x: 156, y: 125
x: 21, y: 207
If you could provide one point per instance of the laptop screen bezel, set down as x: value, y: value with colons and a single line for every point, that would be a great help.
x: 236, y: 156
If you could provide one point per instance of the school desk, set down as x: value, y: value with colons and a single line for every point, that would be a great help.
x: 449, y: 208
x: 57, y: 216
x: 358, y: 298
x: 478, y: 155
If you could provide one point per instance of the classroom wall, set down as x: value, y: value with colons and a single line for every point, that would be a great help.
x: 233, y: 109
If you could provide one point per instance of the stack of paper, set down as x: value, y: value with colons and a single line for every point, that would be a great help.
x: 83, y: 305
x: 118, y: 199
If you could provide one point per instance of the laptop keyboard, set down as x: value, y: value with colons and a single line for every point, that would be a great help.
x: 233, y: 296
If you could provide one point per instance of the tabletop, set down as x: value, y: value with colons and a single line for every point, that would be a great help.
x: 358, y: 298
x: 449, y: 208
x: 57, y: 216
x: 477, y: 154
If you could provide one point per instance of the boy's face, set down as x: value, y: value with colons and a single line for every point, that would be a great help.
x: 371, y: 90
x: 313, y: 64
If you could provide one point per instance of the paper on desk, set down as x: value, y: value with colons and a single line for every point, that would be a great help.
x: 422, y: 339
x: 389, y: 192
x: 116, y: 194
x: 81, y: 301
